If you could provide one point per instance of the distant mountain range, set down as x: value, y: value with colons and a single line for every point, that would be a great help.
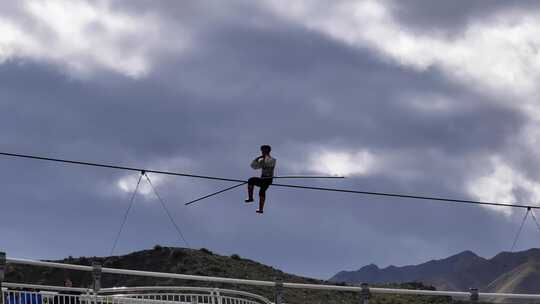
x: 517, y: 272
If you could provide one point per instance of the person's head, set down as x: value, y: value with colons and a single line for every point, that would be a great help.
x: 265, y: 149
x: 68, y: 283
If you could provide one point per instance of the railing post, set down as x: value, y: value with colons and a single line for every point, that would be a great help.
x: 217, y: 296
x: 364, y: 294
x: 96, y: 274
x: 2, y: 274
x: 279, y: 291
x: 2, y: 267
x: 474, y: 294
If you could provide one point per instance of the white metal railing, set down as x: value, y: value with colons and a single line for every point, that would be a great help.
x: 171, y: 293
x: 121, y: 295
x: 13, y: 293
x: 27, y: 295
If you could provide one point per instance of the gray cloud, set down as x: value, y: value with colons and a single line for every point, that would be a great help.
x: 452, y: 17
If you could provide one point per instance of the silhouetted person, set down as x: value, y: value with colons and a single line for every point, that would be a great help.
x: 12, y: 297
x: 31, y: 296
x: 266, y: 163
x: 67, y: 297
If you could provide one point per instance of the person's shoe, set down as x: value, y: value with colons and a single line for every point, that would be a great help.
x: 259, y: 211
x: 248, y: 200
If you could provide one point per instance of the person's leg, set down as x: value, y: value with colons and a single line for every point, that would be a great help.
x: 251, y: 183
x: 262, y: 196
x: 250, y: 193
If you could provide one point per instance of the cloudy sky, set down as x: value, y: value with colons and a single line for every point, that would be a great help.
x: 416, y: 97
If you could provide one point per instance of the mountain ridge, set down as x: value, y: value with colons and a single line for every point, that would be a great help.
x: 504, y: 272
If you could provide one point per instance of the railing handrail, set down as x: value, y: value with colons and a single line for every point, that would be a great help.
x: 154, y: 288
x: 179, y: 288
x: 46, y: 287
x: 269, y: 283
x: 222, y: 291
x: 140, y: 272
x: 126, y: 290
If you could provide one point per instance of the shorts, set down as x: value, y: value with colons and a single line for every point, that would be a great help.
x: 262, y: 183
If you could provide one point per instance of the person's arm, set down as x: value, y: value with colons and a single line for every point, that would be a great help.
x: 257, y: 163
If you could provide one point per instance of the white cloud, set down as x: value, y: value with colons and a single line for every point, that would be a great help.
x: 499, y: 55
x: 431, y: 103
x: 80, y: 36
x: 501, y: 185
x: 129, y: 182
x: 343, y: 163
x: 173, y: 164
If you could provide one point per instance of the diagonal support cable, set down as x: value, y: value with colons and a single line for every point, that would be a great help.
x: 520, y: 228
x: 180, y: 234
x: 215, y: 193
x: 535, y: 220
x: 131, y: 201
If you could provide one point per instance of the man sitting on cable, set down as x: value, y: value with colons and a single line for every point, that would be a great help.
x: 267, y: 164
